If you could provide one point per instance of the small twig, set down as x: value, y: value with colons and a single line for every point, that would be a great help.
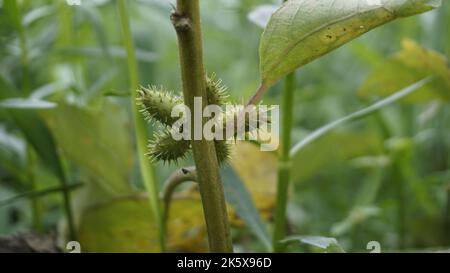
x: 187, y: 174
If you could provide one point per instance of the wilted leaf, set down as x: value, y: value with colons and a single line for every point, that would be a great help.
x: 303, y: 30
x: 409, y: 65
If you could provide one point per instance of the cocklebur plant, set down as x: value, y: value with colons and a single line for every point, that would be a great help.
x: 157, y: 105
x: 297, y: 33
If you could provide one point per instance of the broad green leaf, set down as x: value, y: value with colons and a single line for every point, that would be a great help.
x: 240, y: 199
x: 404, y: 68
x: 303, y: 30
x: 102, y: 134
x: 327, y: 243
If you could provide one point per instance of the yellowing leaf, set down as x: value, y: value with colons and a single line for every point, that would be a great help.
x: 258, y: 171
x: 409, y: 65
x: 303, y: 30
x: 127, y: 225
x: 119, y: 226
x: 187, y: 231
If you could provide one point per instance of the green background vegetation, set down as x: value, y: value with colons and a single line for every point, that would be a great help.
x: 384, y: 178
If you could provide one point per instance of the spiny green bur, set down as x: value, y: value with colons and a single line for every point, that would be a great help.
x: 156, y: 104
x: 164, y: 148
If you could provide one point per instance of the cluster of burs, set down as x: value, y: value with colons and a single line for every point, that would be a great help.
x: 157, y: 104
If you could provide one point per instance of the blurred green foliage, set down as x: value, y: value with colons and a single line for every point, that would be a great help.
x: 385, y: 178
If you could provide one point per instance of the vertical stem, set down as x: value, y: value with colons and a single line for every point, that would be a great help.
x: 25, y: 61
x: 401, y: 216
x: 146, y: 168
x: 447, y: 218
x: 67, y: 30
x: 24, y: 56
x: 35, y: 204
x: 37, y: 221
x: 186, y: 20
x: 400, y: 176
x: 68, y: 207
x: 284, y: 163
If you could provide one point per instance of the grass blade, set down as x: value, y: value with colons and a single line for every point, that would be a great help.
x: 358, y: 115
x: 147, y: 171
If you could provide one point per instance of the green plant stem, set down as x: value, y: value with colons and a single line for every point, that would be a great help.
x: 399, y: 179
x: 186, y: 20
x: 447, y: 217
x: 146, y: 168
x: 35, y: 204
x: 284, y: 164
x: 24, y: 55
x: 68, y: 208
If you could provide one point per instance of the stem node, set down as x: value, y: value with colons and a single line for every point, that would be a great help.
x: 181, y: 22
